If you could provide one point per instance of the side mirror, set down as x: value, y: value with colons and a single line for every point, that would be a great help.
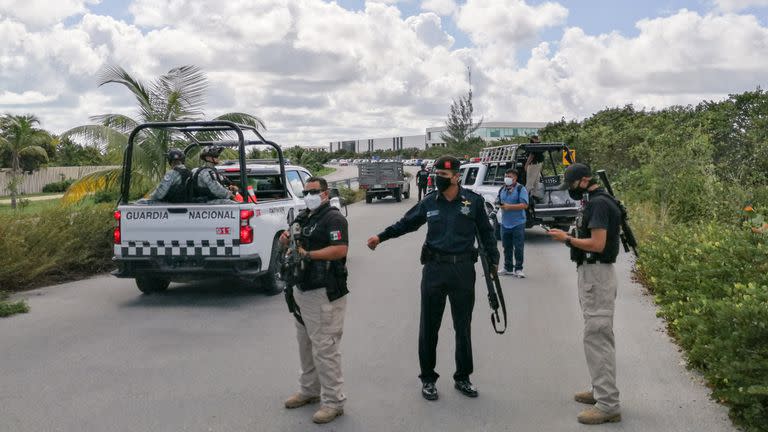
x: 333, y: 192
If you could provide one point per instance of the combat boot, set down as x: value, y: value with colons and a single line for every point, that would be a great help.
x: 594, y: 416
x: 299, y: 400
x: 585, y: 397
x: 326, y: 414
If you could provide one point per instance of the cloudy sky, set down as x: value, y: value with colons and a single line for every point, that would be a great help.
x: 318, y: 71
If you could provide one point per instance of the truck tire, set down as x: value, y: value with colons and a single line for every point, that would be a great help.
x: 270, y: 282
x: 151, y: 285
x: 398, y: 194
x: 407, y: 195
x: 368, y: 199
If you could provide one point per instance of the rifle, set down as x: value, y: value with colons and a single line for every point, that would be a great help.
x: 292, y: 266
x: 495, y: 295
x: 626, y: 235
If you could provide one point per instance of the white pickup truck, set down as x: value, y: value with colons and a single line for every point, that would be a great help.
x: 552, y: 207
x: 157, y: 242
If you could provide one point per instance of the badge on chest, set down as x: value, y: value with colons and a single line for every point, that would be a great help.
x: 466, y: 207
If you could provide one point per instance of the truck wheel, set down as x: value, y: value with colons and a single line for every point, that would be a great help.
x: 270, y: 282
x: 151, y: 285
x: 398, y: 195
x: 368, y: 199
x: 407, y: 195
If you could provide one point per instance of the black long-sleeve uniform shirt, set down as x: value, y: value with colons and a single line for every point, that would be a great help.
x: 450, y: 224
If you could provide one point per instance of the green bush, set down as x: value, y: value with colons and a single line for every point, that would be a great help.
x: 711, y: 283
x: 54, y: 245
x: 351, y: 195
x: 60, y: 186
x: 10, y: 308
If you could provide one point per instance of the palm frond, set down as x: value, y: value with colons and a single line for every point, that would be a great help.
x: 92, y: 183
x: 103, y: 137
x: 181, y: 92
x: 243, y: 118
x: 118, y: 122
x: 118, y: 75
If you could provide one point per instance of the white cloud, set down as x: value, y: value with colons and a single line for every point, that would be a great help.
x: 38, y: 13
x: 738, y: 5
x: 317, y: 72
x: 440, y: 7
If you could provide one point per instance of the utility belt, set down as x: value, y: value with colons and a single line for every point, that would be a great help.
x: 429, y: 255
x: 331, y: 275
x: 595, y: 261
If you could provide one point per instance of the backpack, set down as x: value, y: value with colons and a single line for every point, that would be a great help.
x: 178, y: 192
x: 194, y: 192
x: 517, y: 188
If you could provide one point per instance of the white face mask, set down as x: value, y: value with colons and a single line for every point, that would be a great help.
x: 509, y: 181
x: 313, y: 201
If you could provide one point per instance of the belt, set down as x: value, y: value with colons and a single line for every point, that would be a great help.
x: 452, y: 259
x: 597, y: 261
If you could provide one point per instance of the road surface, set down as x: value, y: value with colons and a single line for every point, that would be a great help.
x: 96, y: 355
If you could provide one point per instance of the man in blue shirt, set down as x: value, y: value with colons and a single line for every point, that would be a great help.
x: 513, y: 201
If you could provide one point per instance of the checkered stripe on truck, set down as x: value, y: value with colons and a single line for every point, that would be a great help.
x: 213, y: 248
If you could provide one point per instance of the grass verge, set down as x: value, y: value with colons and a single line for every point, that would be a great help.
x: 8, y: 308
x: 326, y: 170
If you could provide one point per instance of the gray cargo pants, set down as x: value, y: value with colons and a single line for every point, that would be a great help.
x: 597, y: 296
x: 319, y: 340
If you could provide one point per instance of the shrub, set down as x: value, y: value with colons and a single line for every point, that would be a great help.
x: 10, y: 308
x: 60, y: 186
x: 711, y: 283
x: 54, y: 245
x: 351, y: 195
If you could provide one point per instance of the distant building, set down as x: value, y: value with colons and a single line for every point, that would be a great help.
x: 488, y: 131
x: 316, y: 148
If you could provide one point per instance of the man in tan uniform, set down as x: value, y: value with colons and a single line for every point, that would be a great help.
x: 320, y: 295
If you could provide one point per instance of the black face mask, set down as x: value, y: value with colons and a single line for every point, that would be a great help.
x: 442, y: 183
x: 576, y: 194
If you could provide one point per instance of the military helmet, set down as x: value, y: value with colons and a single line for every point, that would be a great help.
x: 211, y: 151
x: 175, y: 155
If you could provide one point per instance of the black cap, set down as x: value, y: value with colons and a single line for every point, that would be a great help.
x: 447, y: 163
x: 575, y: 172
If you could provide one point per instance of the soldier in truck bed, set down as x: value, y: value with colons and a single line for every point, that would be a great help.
x: 173, y: 186
x: 207, y: 183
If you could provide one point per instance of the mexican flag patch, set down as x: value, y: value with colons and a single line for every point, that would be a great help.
x: 335, y: 235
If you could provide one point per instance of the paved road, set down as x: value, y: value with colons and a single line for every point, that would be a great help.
x: 97, y: 356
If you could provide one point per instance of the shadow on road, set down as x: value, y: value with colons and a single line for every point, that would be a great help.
x: 211, y: 293
x: 537, y: 235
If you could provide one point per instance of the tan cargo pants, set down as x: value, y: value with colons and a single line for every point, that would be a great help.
x: 532, y: 177
x: 597, y: 296
x: 319, y: 340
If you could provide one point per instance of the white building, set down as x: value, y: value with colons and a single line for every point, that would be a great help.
x: 488, y: 131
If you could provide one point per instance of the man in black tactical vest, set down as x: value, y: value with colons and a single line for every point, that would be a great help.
x: 594, y: 250
x: 320, y: 294
x: 173, y: 187
x: 453, y: 216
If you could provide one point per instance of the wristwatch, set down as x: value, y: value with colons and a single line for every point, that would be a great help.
x: 568, y: 242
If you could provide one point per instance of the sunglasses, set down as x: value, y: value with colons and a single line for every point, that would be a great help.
x: 312, y: 192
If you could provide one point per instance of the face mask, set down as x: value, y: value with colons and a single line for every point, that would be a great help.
x: 509, y: 181
x: 576, y: 194
x: 442, y: 183
x: 313, y: 201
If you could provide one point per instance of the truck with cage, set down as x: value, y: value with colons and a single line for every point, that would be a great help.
x: 383, y: 179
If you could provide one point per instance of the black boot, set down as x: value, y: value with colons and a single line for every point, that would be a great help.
x: 429, y: 391
x: 466, y: 388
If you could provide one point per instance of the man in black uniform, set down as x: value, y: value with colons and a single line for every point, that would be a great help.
x: 320, y: 296
x: 421, y: 180
x: 594, y: 250
x: 453, y: 216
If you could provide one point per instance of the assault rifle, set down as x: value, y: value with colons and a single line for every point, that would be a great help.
x: 626, y: 235
x: 292, y: 267
x: 495, y: 295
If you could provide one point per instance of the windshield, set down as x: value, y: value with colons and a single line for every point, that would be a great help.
x: 266, y: 186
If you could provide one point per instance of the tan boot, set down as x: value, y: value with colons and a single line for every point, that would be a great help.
x: 299, y: 400
x: 326, y: 414
x: 585, y: 397
x: 595, y: 416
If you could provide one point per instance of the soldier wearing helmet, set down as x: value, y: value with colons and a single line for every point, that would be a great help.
x: 207, y: 182
x: 173, y: 186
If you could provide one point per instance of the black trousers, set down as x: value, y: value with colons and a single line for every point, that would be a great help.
x: 457, y: 283
x: 422, y: 190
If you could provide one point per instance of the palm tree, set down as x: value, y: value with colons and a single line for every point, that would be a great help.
x: 20, y: 136
x: 178, y: 95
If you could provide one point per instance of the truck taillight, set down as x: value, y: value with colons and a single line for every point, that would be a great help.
x: 246, y: 230
x: 246, y: 234
x: 116, y: 234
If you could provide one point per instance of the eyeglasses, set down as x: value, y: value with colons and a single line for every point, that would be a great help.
x: 312, y: 192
